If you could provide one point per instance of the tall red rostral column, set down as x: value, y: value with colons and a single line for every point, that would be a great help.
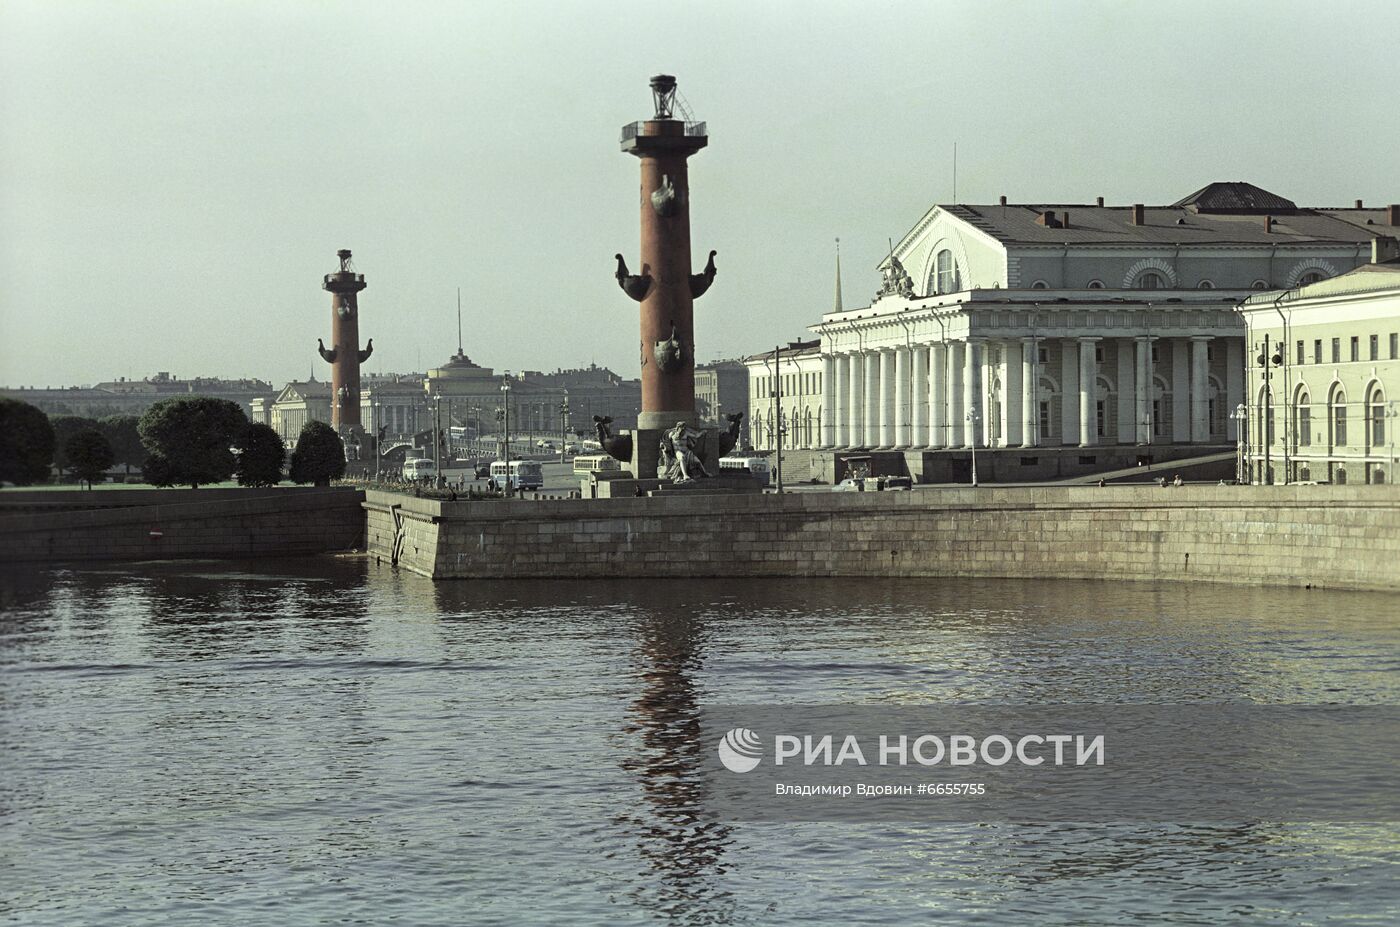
x: 665, y: 286
x: 344, y: 354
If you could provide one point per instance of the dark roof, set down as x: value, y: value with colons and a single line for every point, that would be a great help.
x: 1168, y: 225
x: 1235, y: 196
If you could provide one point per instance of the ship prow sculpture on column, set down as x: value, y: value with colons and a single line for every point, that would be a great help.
x: 670, y: 445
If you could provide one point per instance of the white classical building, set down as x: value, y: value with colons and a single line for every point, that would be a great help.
x: 785, y: 396
x: 1083, y: 325
x: 1323, y: 373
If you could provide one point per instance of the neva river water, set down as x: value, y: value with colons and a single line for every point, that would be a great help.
x: 328, y: 742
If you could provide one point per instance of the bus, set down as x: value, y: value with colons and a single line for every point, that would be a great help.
x: 757, y: 467
x: 515, y: 475
x: 595, y: 462
x: 419, y: 468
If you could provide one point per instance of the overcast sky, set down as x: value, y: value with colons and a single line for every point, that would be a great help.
x: 175, y: 177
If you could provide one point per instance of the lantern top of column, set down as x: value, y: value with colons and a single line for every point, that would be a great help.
x: 663, y: 133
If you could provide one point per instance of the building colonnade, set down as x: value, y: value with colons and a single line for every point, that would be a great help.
x: 1032, y: 391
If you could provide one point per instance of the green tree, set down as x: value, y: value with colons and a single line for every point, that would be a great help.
x: 121, y: 432
x: 260, y: 456
x: 319, y: 456
x: 65, y: 427
x: 26, y: 443
x: 191, y: 439
x: 89, y: 455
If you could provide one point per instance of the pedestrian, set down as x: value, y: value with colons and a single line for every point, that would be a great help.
x: 1176, y: 480
x: 1101, y: 482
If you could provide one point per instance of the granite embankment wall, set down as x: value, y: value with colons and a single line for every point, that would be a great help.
x: 139, y: 524
x: 1326, y: 536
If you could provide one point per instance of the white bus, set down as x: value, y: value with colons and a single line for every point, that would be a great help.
x: 595, y: 462
x: 418, y: 468
x: 756, y: 466
x: 515, y: 474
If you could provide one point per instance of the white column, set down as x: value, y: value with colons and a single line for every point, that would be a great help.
x: 857, y: 400
x: 871, y: 415
x: 901, y: 398
x: 1200, y: 391
x: 1030, y: 407
x: 1181, y: 391
x: 953, y: 424
x: 839, y: 373
x: 1088, y: 393
x: 1234, y: 384
x: 1013, y: 395
x: 1069, y: 396
x: 937, y: 395
x: 1142, y: 391
x: 918, y: 397
x: 972, y: 395
x: 1127, y: 405
x: 887, y: 397
x: 828, y: 418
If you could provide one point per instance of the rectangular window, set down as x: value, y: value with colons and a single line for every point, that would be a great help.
x: 1377, y: 425
x: 1154, y: 352
x: 1029, y: 461
x: 1339, y: 426
x: 1336, y: 350
x: 1098, y: 354
x: 1395, y: 345
x: 1305, y: 426
x: 1044, y: 356
x: 1317, y: 350
x: 1044, y: 418
x: 1099, y: 418
x: 1300, y: 354
x: 1355, y: 349
x: 1157, y: 417
x: 1375, y: 347
x: 1210, y: 350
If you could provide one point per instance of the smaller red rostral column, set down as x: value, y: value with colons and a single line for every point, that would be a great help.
x: 665, y: 287
x: 344, y: 354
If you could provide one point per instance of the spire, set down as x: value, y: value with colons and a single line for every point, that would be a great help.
x: 838, y: 307
x: 459, y: 322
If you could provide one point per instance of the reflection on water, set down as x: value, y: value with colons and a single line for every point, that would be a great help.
x: 334, y: 742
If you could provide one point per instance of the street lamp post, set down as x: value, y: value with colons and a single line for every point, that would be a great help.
x: 505, y: 402
x: 437, y: 436
x: 1240, y: 415
x: 1392, y: 413
x: 973, y: 418
x: 563, y: 425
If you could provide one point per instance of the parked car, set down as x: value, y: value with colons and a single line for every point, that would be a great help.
x: 874, y: 484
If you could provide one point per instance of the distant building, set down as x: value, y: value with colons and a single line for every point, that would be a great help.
x: 395, y: 402
x: 1323, y: 377
x: 297, y: 404
x: 721, y: 388
x: 133, y: 397
x: 472, y: 394
x: 785, y: 397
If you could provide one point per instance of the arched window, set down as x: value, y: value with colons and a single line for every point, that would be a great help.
x: 1259, y: 285
x: 945, y: 274
x: 1148, y: 280
x: 1312, y: 276
x: 1096, y: 284
x: 1375, y: 419
x: 1040, y: 285
x: 1337, y: 417
x: 1302, y: 419
x: 1205, y: 285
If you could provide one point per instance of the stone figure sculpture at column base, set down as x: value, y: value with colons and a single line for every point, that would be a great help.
x: 680, y: 458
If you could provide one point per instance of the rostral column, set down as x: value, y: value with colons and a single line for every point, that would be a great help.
x: 344, y: 354
x: 665, y: 286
